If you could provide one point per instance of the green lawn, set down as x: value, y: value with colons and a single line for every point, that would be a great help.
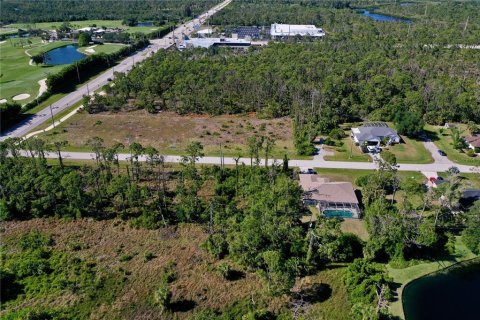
x: 42, y: 48
x: 470, y: 180
x: 347, y: 175
x: 83, y: 24
x: 101, y: 48
x: 444, y: 142
x: 17, y: 75
x: 346, y: 152
x: 337, y: 305
x: 405, y: 275
x: 6, y: 31
x: 411, y: 151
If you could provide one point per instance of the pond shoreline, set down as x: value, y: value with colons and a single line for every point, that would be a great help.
x: 466, y: 262
x: 402, y: 288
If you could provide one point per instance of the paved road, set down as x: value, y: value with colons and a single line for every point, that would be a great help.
x: 315, y: 163
x: 45, y: 115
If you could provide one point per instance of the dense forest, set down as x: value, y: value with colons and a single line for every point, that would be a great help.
x: 250, y: 212
x: 20, y: 11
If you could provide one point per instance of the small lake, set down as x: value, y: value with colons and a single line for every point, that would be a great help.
x: 449, y: 294
x: 145, y: 24
x: 383, y: 17
x: 63, y: 55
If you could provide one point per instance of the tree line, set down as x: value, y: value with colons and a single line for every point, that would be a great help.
x: 17, y: 11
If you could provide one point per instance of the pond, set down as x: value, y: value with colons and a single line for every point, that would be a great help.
x: 452, y: 293
x: 63, y: 55
x: 145, y: 24
x: 382, y: 17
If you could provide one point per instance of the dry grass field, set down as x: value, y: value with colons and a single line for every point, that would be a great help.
x: 170, y: 133
x: 197, y: 286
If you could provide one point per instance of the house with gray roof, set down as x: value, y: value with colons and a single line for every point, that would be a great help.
x: 372, y: 134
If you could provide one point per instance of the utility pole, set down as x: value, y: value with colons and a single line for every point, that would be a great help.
x: 88, y: 90
x: 466, y: 25
x: 211, y: 218
x: 51, y: 114
x: 78, y: 73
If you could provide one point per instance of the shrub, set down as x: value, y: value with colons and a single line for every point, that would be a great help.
x: 126, y: 257
x: 163, y: 296
x: 336, y: 134
x: 470, y: 153
x: 148, y: 256
x: 169, y: 274
x: 216, y: 245
x: 225, y: 270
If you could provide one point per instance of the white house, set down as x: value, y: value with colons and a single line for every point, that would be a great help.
x: 373, y: 133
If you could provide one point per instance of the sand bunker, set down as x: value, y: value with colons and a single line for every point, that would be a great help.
x: 1, y: 42
x: 22, y: 96
x: 90, y: 49
x: 43, y: 86
x: 3, y: 101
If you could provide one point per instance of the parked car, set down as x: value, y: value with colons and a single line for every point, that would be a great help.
x: 307, y: 171
x: 442, y: 153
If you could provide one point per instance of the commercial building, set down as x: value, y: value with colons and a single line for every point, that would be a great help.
x: 214, y: 42
x: 291, y: 30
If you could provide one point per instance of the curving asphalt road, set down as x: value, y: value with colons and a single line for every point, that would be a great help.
x: 126, y: 65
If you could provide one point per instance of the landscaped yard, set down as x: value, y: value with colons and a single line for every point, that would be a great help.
x: 410, y: 151
x: 18, y: 76
x: 346, y: 152
x: 444, y: 142
x: 83, y: 24
x: 355, y: 226
x: 171, y: 133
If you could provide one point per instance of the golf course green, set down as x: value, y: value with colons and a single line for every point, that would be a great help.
x: 21, y: 77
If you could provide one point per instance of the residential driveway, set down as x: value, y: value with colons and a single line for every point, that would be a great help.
x: 438, y: 159
x: 321, y: 152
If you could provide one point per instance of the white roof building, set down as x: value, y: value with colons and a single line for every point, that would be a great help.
x: 209, y: 42
x: 86, y: 29
x: 205, y: 31
x: 292, y: 30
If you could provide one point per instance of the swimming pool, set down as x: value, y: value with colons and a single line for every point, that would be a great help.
x: 338, y: 214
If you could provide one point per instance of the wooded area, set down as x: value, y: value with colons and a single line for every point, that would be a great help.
x: 14, y: 11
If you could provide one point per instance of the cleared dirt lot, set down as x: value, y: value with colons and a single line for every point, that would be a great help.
x: 170, y: 132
